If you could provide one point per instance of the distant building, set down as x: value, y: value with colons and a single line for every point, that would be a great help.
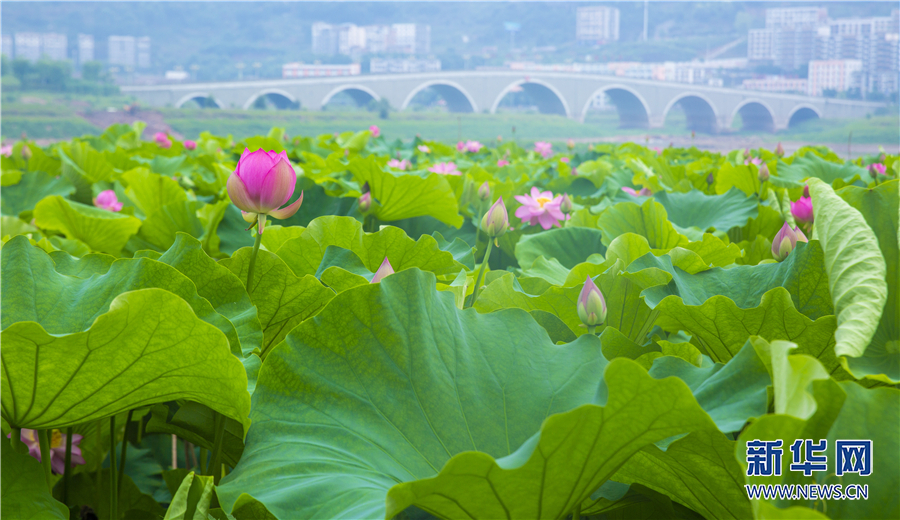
x: 789, y: 39
x: 837, y: 75
x: 351, y: 39
x: 55, y: 46
x: 382, y: 66
x: 760, y: 43
x: 302, y: 70
x: 7, y: 46
x: 795, y: 17
x: 121, y: 51
x: 596, y: 24
x: 410, y: 38
x: 143, y: 52
x: 776, y: 84
x: 28, y: 46
x: 85, y: 48
x: 378, y: 38
x: 177, y: 75
x: 873, y: 41
x: 324, y: 38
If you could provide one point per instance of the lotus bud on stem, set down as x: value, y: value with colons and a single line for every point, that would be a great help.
x: 383, y: 271
x: 785, y: 241
x: 591, y: 306
x: 495, y: 222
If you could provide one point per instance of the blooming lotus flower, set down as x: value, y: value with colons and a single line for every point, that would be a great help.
x: 6, y: 150
x: 262, y: 183
x: 190, y: 145
x: 544, y: 148
x: 779, y: 150
x: 402, y: 164
x: 107, y: 200
x: 565, y: 205
x: 876, y: 169
x: 591, y: 305
x: 473, y: 146
x: 645, y: 192
x: 658, y: 150
x: 383, y: 271
x: 564, y: 159
x: 763, y: 172
x: 786, y: 240
x: 755, y: 160
x: 162, y: 140
x: 424, y: 149
x: 484, y: 191
x: 540, y: 208
x: 445, y: 168
x: 57, y: 448
x: 502, y: 162
x: 375, y: 130
x: 496, y: 220
x: 802, y: 210
x: 570, y: 144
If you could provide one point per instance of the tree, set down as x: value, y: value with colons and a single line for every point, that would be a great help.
x: 91, y: 70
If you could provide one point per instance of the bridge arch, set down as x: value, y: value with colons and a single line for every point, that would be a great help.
x: 803, y: 112
x: 281, y: 98
x: 203, y: 97
x: 756, y: 114
x: 701, y: 113
x: 458, y: 98
x: 549, y: 100
x: 633, y: 110
x: 361, y: 94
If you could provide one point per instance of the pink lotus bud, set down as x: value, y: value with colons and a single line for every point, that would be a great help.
x: 763, y: 172
x: 496, y: 220
x: 190, y: 145
x: 876, y: 169
x: 570, y: 144
x: 802, y: 210
x: 591, y: 305
x: 107, y: 200
x: 262, y: 183
x: 502, y: 162
x: 375, y: 130
x: 806, y: 191
x: 383, y: 271
x: 484, y: 191
x: 365, y: 202
x: 786, y: 240
x: 424, y: 149
x: 779, y: 150
x: 565, y: 205
x: 564, y: 159
x: 460, y: 146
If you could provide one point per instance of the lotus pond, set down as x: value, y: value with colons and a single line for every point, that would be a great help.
x: 471, y: 331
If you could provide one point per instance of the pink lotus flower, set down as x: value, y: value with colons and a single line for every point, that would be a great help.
x: 190, y: 145
x: 802, y: 210
x: 6, y: 150
x: 375, y: 130
x: 496, y: 220
x: 401, y: 164
x: 779, y: 150
x: 424, y: 149
x: 162, y: 140
x: 657, y: 150
x: 786, y: 240
x: 460, y: 146
x: 383, y: 271
x: 540, y: 208
x: 645, y: 192
x: 591, y: 305
x: 876, y: 169
x: 107, y: 200
x: 445, y: 168
x: 544, y: 148
x: 564, y: 159
x: 473, y: 146
x: 57, y: 448
x: 502, y: 162
x: 263, y: 182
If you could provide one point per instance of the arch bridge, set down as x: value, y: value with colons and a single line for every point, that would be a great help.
x: 639, y: 103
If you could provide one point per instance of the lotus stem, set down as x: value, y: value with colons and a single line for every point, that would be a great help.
x: 214, y: 468
x: 15, y: 439
x: 576, y: 513
x: 202, y: 463
x: 124, y: 448
x: 113, y: 477
x: 44, y: 441
x: 68, y: 465
x: 174, y: 451
x: 591, y: 329
x: 253, y: 259
x: 487, y: 256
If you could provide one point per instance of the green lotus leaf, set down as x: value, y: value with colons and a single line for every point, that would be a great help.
x: 149, y: 348
x: 882, y: 356
x: 506, y: 293
x: 151, y: 192
x: 714, y: 251
x: 812, y: 166
x: 462, y: 252
x: 275, y: 236
x: 696, y: 209
x: 855, y: 267
x: 195, y: 423
x: 24, y: 492
x: 406, y: 195
x: 192, y: 499
x: 282, y: 299
x: 549, y: 271
x: 648, y: 220
x: 100, y: 229
x: 569, y: 246
x: 766, y: 224
x: 743, y: 177
x: 13, y: 226
x: 304, y: 254
x: 31, y: 188
x: 160, y: 227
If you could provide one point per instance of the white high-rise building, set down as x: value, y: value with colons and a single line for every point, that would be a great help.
x: 85, y: 48
x: 351, y: 39
x: 143, y: 52
x: 7, y: 46
x: 378, y: 38
x: 324, y: 38
x: 597, y: 24
x: 28, y: 46
x: 121, y: 51
x: 55, y: 46
x: 410, y: 38
x: 795, y: 17
x: 837, y: 75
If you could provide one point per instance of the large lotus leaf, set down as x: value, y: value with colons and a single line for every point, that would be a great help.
x: 149, y: 348
x: 549, y: 271
x: 766, y: 224
x: 102, y: 230
x: 232, y: 231
x: 390, y: 381
x: 843, y: 411
x: 648, y: 220
x: 506, y: 293
x: 34, y: 291
x: 282, y: 299
x: 569, y: 246
x: 406, y: 195
x: 855, y: 267
x: 722, y: 212
x: 626, y: 309
x: 31, y: 188
x: 698, y: 471
x: 151, y: 192
x: 811, y: 165
x: 743, y: 177
x: 879, y: 206
x: 221, y: 288
x: 721, y: 328
x: 304, y: 254
x: 78, y: 158
x: 84, y: 267
x: 24, y: 488
x: 462, y: 252
x: 196, y: 423
x: 801, y: 274
x: 160, y: 227
x: 713, y: 251
x: 192, y: 499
